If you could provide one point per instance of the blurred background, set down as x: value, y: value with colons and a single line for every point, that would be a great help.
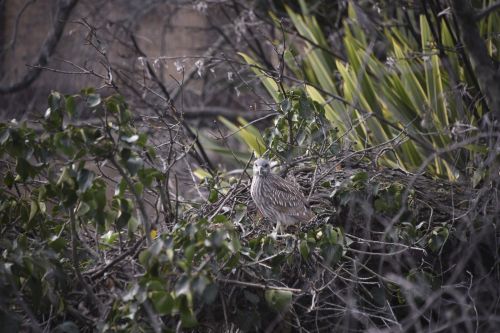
x: 156, y: 54
x: 178, y: 38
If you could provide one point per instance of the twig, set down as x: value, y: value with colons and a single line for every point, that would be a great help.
x: 487, y: 11
x: 76, y: 264
x: 153, y: 317
x: 97, y: 273
x: 138, y: 199
x: 249, y: 124
x: 260, y: 286
x: 484, y: 68
x: 35, y: 325
x: 229, y: 195
x: 171, y: 104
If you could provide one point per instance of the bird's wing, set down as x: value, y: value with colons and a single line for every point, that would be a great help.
x: 287, y: 198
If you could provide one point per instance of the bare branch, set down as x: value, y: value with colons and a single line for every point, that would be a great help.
x: 487, y: 11
x: 484, y: 67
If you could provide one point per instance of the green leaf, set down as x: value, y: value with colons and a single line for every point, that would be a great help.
x: 360, y: 177
x: 83, y: 208
x: 156, y: 247
x: 88, y: 90
x: 220, y: 218
x: 169, y: 244
x: 64, y: 143
x: 144, y: 258
x: 125, y: 116
x: 54, y: 100
x: 183, y: 286
x: 4, y: 135
x: 133, y: 165
x: 321, y: 64
x: 240, y: 212
x: 189, y: 252
x: 9, y: 179
x: 70, y: 105
x: 139, y: 188
x: 188, y: 319
x: 151, y: 153
x: 199, y: 284
x: 213, y: 196
x: 33, y: 210
x: 100, y: 198
x: 84, y: 178
x: 24, y: 169
x: 113, y: 104
x: 278, y: 300
x: 132, y: 225
x: 286, y: 105
x: 93, y: 100
x: 304, y: 249
x: 155, y: 285
x: 210, y: 293
x: 57, y: 243
x: 201, y: 173
x: 124, y: 211
x: 163, y: 302
x: 147, y: 175
x: 476, y: 148
x: 332, y: 253
x: 110, y: 237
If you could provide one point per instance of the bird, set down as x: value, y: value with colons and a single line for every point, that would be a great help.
x: 276, y: 198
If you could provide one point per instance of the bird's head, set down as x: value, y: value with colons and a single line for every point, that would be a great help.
x: 261, y: 167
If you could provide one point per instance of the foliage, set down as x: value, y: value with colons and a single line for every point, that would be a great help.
x: 95, y: 236
x: 61, y: 214
x: 408, y: 96
x: 54, y: 188
x: 57, y: 196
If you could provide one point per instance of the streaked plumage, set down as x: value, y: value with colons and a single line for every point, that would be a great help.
x: 277, y: 199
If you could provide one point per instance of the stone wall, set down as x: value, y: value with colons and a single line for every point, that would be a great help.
x: 161, y: 28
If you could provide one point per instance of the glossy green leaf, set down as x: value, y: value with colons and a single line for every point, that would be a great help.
x: 163, y: 302
x: 133, y: 165
x: 93, y: 100
x: 278, y: 300
x: 84, y: 178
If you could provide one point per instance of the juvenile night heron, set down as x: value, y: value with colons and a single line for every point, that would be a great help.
x: 277, y: 199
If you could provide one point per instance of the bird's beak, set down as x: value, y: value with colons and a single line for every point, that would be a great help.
x: 258, y: 170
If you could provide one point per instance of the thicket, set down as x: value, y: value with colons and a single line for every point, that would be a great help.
x: 391, y: 134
